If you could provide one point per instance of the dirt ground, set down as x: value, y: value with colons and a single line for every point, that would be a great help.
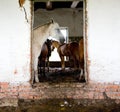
x: 58, y: 76
x: 64, y: 105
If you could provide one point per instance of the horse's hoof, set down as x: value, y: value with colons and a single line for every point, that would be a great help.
x: 36, y: 80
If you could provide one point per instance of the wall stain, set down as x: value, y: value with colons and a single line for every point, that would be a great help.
x: 21, y: 4
x: 15, y: 71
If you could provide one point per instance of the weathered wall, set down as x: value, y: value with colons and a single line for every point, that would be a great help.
x: 103, y: 40
x: 66, y: 17
x: 103, y: 44
x: 14, y: 41
x: 63, y: 91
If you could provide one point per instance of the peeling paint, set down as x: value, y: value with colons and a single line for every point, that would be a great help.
x: 15, y: 45
x: 25, y: 14
x: 21, y: 3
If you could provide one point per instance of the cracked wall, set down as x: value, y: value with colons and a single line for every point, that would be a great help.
x: 103, y: 40
x: 15, y: 41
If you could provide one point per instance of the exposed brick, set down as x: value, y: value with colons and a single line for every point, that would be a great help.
x: 44, y: 90
x: 4, y: 87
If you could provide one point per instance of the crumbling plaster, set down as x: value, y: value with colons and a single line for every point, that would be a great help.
x: 14, y: 41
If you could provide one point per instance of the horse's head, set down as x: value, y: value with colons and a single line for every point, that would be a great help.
x: 50, y: 45
x: 52, y: 48
x: 55, y: 32
x: 55, y: 44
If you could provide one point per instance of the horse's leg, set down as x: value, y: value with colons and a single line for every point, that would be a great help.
x: 62, y: 62
x: 75, y: 63
x: 78, y: 64
x: 82, y: 77
x: 70, y: 64
x: 32, y: 77
x: 40, y: 67
x: 33, y: 73
x: 35, y: 70
x: 48, y: 64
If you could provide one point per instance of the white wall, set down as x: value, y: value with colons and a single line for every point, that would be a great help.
x: 14, y: 41
x: 104, y: 40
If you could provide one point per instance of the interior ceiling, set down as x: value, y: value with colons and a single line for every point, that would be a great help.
x: 51, y: 5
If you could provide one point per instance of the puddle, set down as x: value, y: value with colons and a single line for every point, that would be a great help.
x: 64, y: 105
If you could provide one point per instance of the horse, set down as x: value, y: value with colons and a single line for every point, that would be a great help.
x: 46, y: 50
x: 68, y: 49
x: 40, y: 34
x: 78, y: 56
x: 75, y: 51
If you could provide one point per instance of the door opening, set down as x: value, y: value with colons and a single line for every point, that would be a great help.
x: 70, y: 17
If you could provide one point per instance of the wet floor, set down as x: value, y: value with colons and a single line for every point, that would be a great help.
x: 64, y: 105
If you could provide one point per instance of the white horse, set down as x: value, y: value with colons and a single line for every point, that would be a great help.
x: 40, y: 34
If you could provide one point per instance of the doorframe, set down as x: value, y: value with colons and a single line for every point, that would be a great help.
x: 85, y: 39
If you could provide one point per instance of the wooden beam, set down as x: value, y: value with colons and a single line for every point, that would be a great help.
x: 48, y: 5
x: 55, y: 0
x: 74, y: 4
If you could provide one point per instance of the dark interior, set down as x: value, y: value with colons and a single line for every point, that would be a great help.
x: 55, y: 74
x: 66, y: 4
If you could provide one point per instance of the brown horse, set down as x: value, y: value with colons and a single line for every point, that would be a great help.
x: 43, y: 59
x: 74, y: 49
x: 70, y: 49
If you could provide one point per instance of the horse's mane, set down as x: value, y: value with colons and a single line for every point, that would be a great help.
x: 62, y: 44
x: 57, y: 43
x: 75, y: 42
x: 49, y: 22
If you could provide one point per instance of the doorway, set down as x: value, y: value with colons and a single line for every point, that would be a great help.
x: 70, y: 16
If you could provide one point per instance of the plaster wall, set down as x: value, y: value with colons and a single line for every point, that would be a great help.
x: 14, y: 41
x: 104, y: 40
x: 103, y: 44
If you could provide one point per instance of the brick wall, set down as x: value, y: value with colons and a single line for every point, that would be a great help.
x: 62, y: 90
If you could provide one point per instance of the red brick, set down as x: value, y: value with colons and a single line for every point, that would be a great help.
x: 4, y: 85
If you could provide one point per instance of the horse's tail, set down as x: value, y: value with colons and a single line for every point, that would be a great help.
x: 81, y: 53
x: 81, y: 50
